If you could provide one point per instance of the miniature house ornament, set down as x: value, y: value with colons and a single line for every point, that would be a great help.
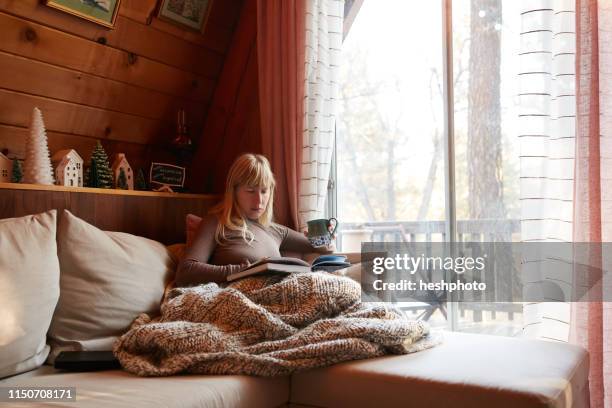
x: 6, y: 168
x: 68, y: 168
x: 37, y: 166
x: 123, y: 175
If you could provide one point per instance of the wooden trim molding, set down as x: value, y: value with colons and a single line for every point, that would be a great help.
x: 41, y: 187
x: 158, y: 216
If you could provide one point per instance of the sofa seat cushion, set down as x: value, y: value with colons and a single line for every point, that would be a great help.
x: 467, y: 370
x: 117, y: 388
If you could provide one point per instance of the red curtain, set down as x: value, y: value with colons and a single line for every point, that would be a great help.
x: 281, y: 59
x: 591, y: 322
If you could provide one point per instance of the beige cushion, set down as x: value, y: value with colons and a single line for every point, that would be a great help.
x: 29, y: 289
x: 107, y: 280
x: 121, y: 389
x: 467, y: 370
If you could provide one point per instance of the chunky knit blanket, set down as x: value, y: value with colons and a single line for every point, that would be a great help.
x: 266, y: 325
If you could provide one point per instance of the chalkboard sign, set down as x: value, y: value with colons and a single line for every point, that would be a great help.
x: 167, y: 174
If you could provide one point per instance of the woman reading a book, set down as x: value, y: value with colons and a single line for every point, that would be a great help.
x: 239, y: 231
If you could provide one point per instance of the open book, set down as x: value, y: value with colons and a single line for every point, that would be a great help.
x: 274, y: 264
x: 287, y: 264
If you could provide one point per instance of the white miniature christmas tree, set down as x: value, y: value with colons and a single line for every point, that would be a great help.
x: 37, y: 165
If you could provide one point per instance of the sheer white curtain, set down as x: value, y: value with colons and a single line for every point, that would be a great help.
x: 547, y: 132
x: 323, y: 41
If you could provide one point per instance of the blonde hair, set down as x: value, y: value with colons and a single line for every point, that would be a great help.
x: 252, y: 170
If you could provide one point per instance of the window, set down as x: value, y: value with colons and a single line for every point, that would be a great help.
x: 4, y: 173
x: 487, y: 166
x: 392, y: 179
x: 390, y: 133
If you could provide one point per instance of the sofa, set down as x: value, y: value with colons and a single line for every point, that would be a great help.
x: 67, y: 285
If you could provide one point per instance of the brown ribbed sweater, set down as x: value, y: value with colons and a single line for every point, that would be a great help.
x: 206, y: 261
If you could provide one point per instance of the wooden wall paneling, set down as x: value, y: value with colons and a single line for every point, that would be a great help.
x: 45, y: 44
x: 223, y: 105
x: 13, y: 138
x: 226, y: 11
x: 81, y: 205
x: 219, y: 29
x: 163, y: 155
x: 148, y: 209
x: 42, y: 79
x: 215, y: 38
x: 121, y: 85
x: 139, y: 156
x: 236, y: 130
x: 138, y: 10
x: 222, y: 23
x: 217, y: 34
x: 36, y: 11
x: 66, y: 117
x: 251, y: 134
x: 162, y: 47
x: 30, y: 202
x: 161, y: 218
x: 127, y: 35
x: 7, y: 205
x: 111, y: 210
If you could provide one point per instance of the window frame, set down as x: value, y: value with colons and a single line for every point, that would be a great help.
x: 331, y: 208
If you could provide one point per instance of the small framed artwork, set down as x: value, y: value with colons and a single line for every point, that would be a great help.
x: 166, y: 175
x: 103, y: 12
x: 191, y: 14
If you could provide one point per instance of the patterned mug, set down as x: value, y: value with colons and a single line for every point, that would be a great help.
x: 318, y: 231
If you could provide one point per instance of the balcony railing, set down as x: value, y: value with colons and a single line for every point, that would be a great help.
x: 351, y: 235
x: 433, y: 231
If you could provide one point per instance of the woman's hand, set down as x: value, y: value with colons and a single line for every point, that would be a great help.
x: 331, y: 248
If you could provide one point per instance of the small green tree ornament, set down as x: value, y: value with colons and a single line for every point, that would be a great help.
x: 17, y: 174
x: 141, y: 183
x: 104, y: 175
x: 122, y: 180
x: 93, y: 178
x: 86, y: 176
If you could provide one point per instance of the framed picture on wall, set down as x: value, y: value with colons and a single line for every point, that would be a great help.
x: 186, y: 13
x: 103, y: 12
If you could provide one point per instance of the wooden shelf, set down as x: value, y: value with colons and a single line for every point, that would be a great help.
x: 158, y: 216
x: 41, y: 187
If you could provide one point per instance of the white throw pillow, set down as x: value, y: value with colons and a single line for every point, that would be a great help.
x: 107, y: 279
x: 29, y: 289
